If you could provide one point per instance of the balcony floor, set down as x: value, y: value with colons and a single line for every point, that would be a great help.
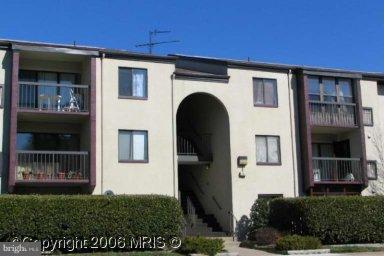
x: 51, y: 116
x: 52, y: 182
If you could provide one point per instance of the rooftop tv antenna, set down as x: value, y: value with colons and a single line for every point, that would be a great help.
x: 151, y: 43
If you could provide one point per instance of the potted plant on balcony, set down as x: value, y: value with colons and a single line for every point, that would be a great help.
x: 77, y: 175
x: 61, y: 175
x: 40, y: 175
x: 26, y: 175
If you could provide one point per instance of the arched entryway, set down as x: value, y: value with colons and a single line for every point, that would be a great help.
x: 204, y: 164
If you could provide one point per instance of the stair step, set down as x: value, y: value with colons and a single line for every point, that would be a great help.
x: 204, y: 224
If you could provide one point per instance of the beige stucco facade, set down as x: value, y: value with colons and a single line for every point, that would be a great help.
x: 374, y: 134
x: 223, y: 108
x: 153, y: 115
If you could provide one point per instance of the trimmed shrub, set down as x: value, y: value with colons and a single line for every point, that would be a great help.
x: 296, y: 242
x: 202, y: 245
x: 259, y: 213
x: 84, y: 216
x: 264, y: 236
x: 341, y: 219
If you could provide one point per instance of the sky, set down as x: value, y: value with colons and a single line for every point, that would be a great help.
x: 345, y: 34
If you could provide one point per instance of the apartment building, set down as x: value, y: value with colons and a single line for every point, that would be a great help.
x: 214, y: 133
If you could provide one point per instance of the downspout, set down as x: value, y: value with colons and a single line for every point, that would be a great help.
x: 292, y: 140
x: 173, y: 138
x: 101, y: 126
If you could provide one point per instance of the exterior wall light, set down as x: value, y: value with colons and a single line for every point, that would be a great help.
x: 242, y: 161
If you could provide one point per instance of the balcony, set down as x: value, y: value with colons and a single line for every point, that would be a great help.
x: 333, y: 114
x: 48, y: 97
x: 52, y: 167
x: 193, y: 148
x: 337, y: 170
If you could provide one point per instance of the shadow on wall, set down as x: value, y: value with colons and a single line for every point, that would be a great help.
x: 6, y: 65
x: 242, y: 228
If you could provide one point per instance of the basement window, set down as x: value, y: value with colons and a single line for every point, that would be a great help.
x: 372, y: 170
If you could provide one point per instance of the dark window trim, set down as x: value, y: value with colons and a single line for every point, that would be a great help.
x: 145, y: 97
x: 278, y: 147
x: 145, y: 161
x: 375, y: 163
x: 370, y: 109
x: 276, y: 92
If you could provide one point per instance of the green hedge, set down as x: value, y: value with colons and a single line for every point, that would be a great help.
x: 56, y: 217
x: 296, y: 242
x: 341, y: 219
x: 201, y: 245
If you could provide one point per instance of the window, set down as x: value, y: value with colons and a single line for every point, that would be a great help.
x: 29, y: 94
x: 133, y: 146
x: 47, y: 141
x: 268, y: 150
x: 330, y: 89
x: 380, y: 88
x: 372, y: 170
x: 265, y: 92
x: 133, y: 83
x: 269, y: 196
x: 367, y: 117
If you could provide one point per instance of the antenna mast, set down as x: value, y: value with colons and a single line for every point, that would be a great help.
x: 151, y: 42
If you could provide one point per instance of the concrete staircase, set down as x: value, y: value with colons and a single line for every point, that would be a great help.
x: 198, y: 223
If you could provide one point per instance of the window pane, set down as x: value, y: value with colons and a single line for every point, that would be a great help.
x: 139, y: 83
x: 345, y: 88
x: 371, y: 169
x: 314, y: 85
x: 326, y: 150
x: 261, y: 149
x: 270, y: 92
x: 367, y: 116
x: 273, y: 150
x: 380, y: 88
x: 125, y: 145
x: 329, y: 89
x: 125, y: 82
x: 139, y: 145
x: 27, y: 76
x: 315, y: 97
x: 68, y: 94
x: 67, y: 79
x: 315, y: 150
x: 258, y: 94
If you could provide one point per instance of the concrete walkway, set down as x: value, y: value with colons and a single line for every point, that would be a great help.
x: 233, y: 247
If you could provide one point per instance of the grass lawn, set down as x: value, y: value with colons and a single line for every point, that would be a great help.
x: 147, y: 253
x: 347, y: 249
